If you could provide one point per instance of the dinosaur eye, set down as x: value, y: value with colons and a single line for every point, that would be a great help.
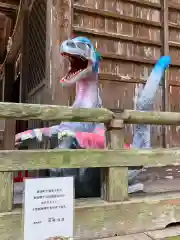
x: 71, y: 44
x: 82, y: 46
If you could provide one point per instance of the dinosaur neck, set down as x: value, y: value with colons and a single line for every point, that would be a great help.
x: 87, y: 92
x: 87, y: 96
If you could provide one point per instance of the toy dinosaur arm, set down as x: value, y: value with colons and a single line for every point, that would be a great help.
x: 38, y: 133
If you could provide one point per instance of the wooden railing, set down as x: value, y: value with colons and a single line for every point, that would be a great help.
x: 115, y: 213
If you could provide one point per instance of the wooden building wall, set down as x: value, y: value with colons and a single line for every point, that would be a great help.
x: 130, y: 35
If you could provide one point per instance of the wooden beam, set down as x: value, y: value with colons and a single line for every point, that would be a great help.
x: 14, y: 160
x: 6, y: 187
x: 96, y: 218
x: 17, y: 36
x: 154, y: 118
x: 24, y: 61
x: 115, y: 15
x: 115, y: 179
x: 165, y: 51
x: 64, y: 113
x: 4, y: 7
x: 51, y: 112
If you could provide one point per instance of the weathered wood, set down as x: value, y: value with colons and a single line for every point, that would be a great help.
x: 115, y: 134
x: 14, y: 160
x: 51, y: 112
x: 98, y: 219
x: 16, y: 36
x: 165, y: 80
x: 157, y: 118
x: 61, y: 30
x: 115, y: 184
x: 8, y: 7
x: 24, y: 53
x: 64, y: 113
x: 115, y: 180
x: 6, y: 185
x: 6, y: 191
x: 6, y: 178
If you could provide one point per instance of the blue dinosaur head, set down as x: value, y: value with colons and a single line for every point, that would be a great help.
x: 83, y: 58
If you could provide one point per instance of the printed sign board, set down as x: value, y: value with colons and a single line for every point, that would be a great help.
x: 48, y: 208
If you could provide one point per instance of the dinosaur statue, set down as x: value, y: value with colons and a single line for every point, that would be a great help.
x: 84, y: 62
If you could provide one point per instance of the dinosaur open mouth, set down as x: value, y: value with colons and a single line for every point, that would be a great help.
x: 77, y: 65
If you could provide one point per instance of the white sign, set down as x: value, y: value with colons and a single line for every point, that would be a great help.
x: 49, y: 208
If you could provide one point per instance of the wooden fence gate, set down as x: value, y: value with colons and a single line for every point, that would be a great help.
x: 116, y: 213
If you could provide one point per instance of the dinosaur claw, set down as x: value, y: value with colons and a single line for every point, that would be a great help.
x: 65, y: 133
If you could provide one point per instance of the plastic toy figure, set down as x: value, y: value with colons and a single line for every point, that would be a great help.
x: 84, y: 64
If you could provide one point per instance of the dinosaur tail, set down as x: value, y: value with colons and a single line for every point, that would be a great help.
x: 144, y: 102
x: 148, y: 93
x: 141, y: 138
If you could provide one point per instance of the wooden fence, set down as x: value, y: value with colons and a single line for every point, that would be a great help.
x: 116, y: 213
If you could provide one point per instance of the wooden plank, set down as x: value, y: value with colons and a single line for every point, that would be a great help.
x: 115, y: 180
x: 6, y: 178
x: 6, y: 191
x: 95, y: 218
x: 144, y: 3
x: 49, y: 74
x: 61, y: 30
x: 22, y: 111
x: 115, y: 15
x: 115, y: 184
x: 14, y: 160
x: 24, y: 60
x: 6, y: 187
x: 5, y: 7
x: 115, y: 36
x: 16, y: 36
x: 64, y: 113
x: 165, y: 40
x: 154, y: 118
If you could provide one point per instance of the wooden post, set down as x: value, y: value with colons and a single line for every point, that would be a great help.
x: 115, y: 179
x: 6, y: 178
x: 165, y: 51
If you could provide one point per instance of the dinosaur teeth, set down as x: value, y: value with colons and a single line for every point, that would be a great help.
x: 70, y: 75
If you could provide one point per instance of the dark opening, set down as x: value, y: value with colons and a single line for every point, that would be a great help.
x: 173, y: 224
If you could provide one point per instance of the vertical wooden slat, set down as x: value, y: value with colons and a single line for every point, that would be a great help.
x: 6, y: 178
x: 24, y: 57
x: 61, y: 29
x: 115, y: 180
x: 165, y: 51
x: 48, y: 74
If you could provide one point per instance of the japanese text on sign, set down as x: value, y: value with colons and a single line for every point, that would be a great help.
x: 48, y: 210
